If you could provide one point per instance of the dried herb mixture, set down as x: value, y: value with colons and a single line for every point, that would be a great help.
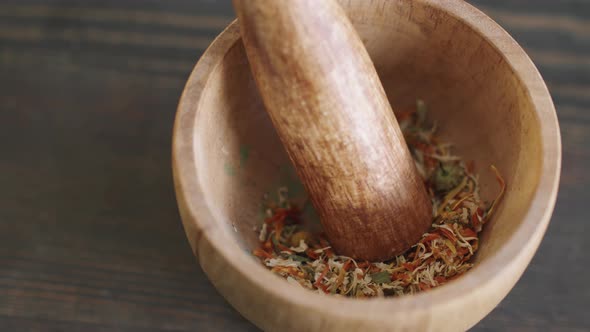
x: 441, y: 255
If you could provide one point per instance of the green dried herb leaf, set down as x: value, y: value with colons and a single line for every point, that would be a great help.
x: 447, y: 176
x: 288, y: 230
x: 309, y: 272
x: 381, y: 277
x: 275, y: 241
x: 299, y: 258
x: 421, y: 111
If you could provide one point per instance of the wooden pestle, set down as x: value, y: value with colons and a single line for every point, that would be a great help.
x: 329, y: 108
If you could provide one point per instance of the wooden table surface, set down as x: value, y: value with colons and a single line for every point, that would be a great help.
x: 90, y: 237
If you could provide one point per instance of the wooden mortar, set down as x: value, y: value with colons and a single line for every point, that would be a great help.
x: 485, y: 94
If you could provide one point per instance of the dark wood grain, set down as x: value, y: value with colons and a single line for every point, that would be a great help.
x: 90, y: 238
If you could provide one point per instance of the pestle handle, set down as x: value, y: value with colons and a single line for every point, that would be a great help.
x: 331, y: 113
